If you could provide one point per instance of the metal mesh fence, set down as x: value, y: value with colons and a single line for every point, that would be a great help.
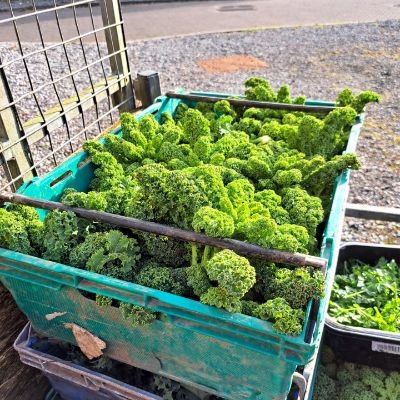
x: 57, y: 91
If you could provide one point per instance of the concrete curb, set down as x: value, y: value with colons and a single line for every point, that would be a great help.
x: 244, y: 30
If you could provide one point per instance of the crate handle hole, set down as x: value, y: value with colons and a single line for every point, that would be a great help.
x: 62, y: 177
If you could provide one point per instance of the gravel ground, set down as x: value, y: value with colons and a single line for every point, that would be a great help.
x: 316, y: 61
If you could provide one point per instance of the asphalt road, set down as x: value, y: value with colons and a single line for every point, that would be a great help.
x: 143, y: 21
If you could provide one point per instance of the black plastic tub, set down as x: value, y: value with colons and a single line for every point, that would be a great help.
x: 360, y: 345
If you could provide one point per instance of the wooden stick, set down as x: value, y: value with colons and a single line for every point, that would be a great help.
x: 239, y: 247
x: 365, y: 211
x: 252, y: 103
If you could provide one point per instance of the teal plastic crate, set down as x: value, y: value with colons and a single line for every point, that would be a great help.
x: 231, y: 355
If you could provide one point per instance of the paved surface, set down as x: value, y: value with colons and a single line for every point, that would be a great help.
x: 40, y: 4
x: 169, y: 19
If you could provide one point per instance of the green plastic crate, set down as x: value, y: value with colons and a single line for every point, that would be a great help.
x: 231, y: 355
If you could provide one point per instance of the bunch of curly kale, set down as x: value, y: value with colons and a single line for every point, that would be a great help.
x: 259, y: 175
x: 338, y: 380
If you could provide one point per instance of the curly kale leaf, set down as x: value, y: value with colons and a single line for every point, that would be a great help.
x: 259, y: 89
x: 221, y: 298
x: 29, y: 216
x: 303, y: 209
x: 297, y: 286
x: 137, y: 316
x: 13, y: 233
x: 91, y: 200
x: 165, y: 250
x: 60, y: 235
x: 285, y: 319
x: 232, y: 273
x: 213, y: 222
x: 197, y: 279
x: 194, y: 126
x: 160, y: 277
x: 358, y: 102
x: 109, y: 253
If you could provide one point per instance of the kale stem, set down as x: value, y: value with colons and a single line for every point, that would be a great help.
x: 206, y: 254
x: 212, y: 252
x: 194, y: 254
x: 355, y: 293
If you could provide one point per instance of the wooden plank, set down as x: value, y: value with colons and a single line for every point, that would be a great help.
x: 239, y: 247
x: 16, y: 158
x: 251, y: 103
x: 111, y: 14
x: 364, y: 211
